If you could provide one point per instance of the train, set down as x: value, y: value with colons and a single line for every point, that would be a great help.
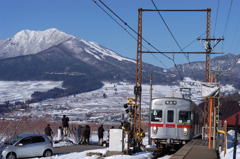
x: 174, y: 121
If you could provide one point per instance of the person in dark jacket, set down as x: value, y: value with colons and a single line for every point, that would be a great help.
x: 48, y: 131
x: 87, y: 134
x: 100, y: 135
x: 79, y: 134
x: 65, y: 125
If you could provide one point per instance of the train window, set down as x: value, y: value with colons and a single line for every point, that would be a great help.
x: 184, y: 117
x: 156, y: 115
x: 170, y: 115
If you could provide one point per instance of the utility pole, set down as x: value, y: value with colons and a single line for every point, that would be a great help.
x: 208, y: 49
x: 138, y: 86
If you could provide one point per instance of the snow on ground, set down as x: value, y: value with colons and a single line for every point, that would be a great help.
x: 21, y: 91
x: 96, y: 105
x: 83, y: 155
x: 230, y: 146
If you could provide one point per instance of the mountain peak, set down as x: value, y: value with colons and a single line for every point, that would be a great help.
x: 28, y: 42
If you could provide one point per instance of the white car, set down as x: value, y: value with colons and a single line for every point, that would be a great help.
x: 28, y: 145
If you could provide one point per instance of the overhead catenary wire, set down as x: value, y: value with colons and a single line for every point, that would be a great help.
x: 216, y: 19
x: 234, y: 35
x: 133, y: 30
x: 126, y: 31
x: 174, y: 38
x: 175, y: 65
x: 226, y: 24
x: 229, y: 12
x: 230, y: 70
x: 181, y: 77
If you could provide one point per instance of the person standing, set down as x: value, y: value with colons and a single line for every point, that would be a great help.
x: 79, y: 134
x: 87, y: 134
x: 100, y: 135
x: 48, y: 132
x: 83, y: 139
x: 65, y: 125
x: 60, y: 133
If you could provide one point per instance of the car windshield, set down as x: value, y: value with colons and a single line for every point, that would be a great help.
x: 13, y: 140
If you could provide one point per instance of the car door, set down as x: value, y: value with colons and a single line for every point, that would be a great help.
x: 38, y: 145
x: 23, y: 148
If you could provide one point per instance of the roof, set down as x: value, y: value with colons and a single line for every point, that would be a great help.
x: 30, y: 134
x: 232, y: 119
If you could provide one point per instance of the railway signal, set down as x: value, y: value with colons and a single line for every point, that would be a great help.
x: 129, y: 110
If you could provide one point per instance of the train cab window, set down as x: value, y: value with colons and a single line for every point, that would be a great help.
x: 156, y: 115
x: 184, y: 117
x: 170, y: 116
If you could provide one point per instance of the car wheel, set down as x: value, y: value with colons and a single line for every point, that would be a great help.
x: 47, y: 153
x: 11, y: 155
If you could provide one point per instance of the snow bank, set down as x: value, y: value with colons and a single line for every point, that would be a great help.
x: 230, y: 146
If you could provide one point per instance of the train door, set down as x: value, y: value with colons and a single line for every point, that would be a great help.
x: 170, y: 123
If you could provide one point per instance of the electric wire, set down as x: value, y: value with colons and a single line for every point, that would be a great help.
x: 127, y: 31
x: 230, y: 70
x: 234, y: 35
x: 175, y: 65
x: 216, y: 19
x: 229, y: 12
x: 134, y: 30
x: 225, y: 28
x: 174, y: 38
x: 193, y: 41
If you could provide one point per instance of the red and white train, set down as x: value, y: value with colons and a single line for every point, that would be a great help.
x: 174, y: 120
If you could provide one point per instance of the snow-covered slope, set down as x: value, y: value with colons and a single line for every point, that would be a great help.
x: 28, y: 42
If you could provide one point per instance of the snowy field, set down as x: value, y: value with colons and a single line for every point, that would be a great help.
x: 21, y: 91
x: 95, y: 106
x: 142, y: 155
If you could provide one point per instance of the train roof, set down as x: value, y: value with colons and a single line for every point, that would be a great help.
x: 174, y: 95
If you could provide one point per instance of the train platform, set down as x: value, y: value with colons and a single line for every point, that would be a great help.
x: 195, y: 149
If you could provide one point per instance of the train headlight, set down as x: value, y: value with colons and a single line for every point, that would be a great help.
x: 154, y: 129
x: 185, y: 131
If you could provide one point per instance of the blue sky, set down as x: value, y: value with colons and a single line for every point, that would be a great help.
x: 85, y: 20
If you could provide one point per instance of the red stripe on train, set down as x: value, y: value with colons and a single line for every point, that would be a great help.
x: 184, y: 126
x: 157, y: 125
x: 170, y: 125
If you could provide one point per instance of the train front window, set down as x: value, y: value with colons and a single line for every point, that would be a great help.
x: 156, y: 115
x: 184, y: 117
x: 170, y: 116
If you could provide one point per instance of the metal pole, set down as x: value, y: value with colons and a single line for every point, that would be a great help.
x: 210, y: 119
x: 235, y: 141
x: 149, y: 132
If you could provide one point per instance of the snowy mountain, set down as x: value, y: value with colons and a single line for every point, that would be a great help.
x: 83, y: 65
x: 27, y: 42
x: 226, y: 66
x: 80, y: 64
